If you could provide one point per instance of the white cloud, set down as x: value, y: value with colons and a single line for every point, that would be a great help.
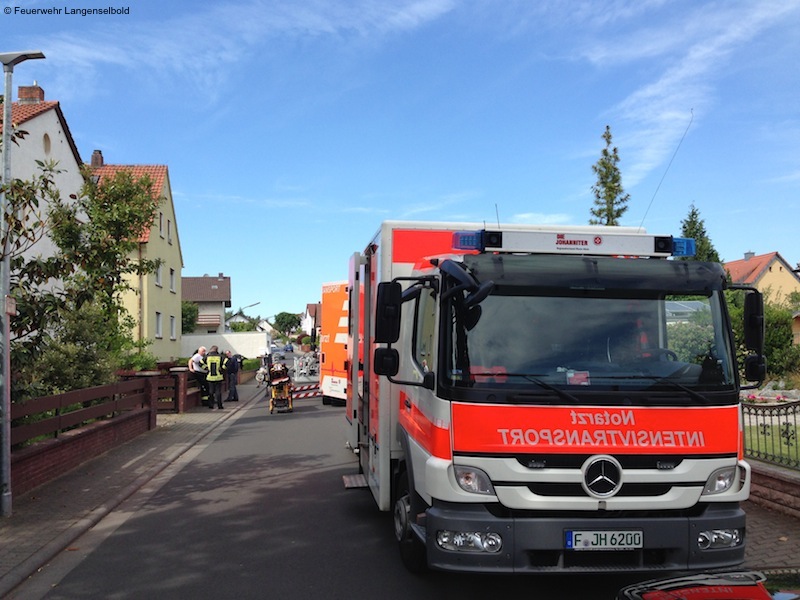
x: 201, y: 47
x: 697, y: 51
x: 542, y: 218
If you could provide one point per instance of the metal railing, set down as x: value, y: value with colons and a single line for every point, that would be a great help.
x: 772, y: 434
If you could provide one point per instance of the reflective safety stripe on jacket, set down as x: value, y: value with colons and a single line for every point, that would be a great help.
x: 214, y: 364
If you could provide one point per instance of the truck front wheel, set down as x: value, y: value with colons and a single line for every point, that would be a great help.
x: 412, y: 550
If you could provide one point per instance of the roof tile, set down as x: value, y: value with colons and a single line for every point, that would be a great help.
x: 207, y: 289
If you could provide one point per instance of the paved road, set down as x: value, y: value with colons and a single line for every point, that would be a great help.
x: 256, y: 510
x: 254, y: 507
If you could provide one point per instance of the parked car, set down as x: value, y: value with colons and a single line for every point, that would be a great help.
x: 734, y: 585
x: 288, y: 348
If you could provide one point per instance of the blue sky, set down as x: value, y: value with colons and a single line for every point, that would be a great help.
x: 292, y: 128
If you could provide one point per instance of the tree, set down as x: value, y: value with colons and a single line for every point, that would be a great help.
x: 285, y: 323
x: 70, y: 303
x: 100, y: 231
x: 189, y: 312
x: 610, y: 201
x: 694, y: 227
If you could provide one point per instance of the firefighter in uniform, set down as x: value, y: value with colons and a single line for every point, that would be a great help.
x: 216, y: 365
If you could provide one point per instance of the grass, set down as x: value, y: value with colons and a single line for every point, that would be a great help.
x: 783, y: 582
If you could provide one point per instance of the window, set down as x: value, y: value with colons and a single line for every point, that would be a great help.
x: 172, y: 280
x: 173, y: 328
x: 161, y: 224
x: 158, y: 276
x: 159, y: 325
x: 169, y: 231
x: 424, y: 332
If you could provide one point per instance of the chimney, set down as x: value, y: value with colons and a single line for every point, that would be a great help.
x: 30, y: 94
x: 748, y: 255
x: 97, y: 159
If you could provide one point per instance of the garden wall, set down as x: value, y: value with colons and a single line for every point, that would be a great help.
x: 250, y: 344
x: 37, y: 464
x: 775, y: 488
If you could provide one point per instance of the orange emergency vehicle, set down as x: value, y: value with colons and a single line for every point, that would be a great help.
x: 333, y: 343
x: 549, y: 399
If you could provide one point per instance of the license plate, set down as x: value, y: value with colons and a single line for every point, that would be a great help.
x: 604, y: 540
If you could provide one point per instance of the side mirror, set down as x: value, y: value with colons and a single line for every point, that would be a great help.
x: 429, y: 381
x: 755, y: 368
x: 754, y: 322
x: 386, y: 361
x: 479, y: 295
x: 387, y: 312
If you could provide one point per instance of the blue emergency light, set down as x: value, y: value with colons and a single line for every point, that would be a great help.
x: 684, y: 247
x: 468, y: 240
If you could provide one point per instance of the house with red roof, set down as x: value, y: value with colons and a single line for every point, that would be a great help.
x: 155, y: 302
x: 43, y: 135
x: 771, y: 275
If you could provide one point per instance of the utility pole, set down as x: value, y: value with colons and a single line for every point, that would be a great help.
x: 8, y: 308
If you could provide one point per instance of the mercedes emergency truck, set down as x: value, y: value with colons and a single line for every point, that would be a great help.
x: 550, y: 399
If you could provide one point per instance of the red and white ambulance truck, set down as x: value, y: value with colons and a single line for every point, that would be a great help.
x: 333, y: 343
x: 549, y: 399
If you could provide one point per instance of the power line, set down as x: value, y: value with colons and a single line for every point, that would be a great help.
x: 658, y: 187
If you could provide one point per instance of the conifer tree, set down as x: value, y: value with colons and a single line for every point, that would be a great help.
x: 694, y: 227
x: 610, y: 199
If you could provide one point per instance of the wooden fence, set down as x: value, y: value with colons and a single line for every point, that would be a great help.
x: 53, y: 434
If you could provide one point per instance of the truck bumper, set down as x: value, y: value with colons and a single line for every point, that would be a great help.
x: 537, y: 544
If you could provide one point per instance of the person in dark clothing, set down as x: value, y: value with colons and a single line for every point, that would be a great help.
x: 215, y: 366
x: 233, y: 376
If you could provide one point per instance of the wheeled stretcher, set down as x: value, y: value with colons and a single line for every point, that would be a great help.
x: 280, y: 383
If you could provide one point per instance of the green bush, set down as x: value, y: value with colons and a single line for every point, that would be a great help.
x: 251, y: 364
x: 139, y: 361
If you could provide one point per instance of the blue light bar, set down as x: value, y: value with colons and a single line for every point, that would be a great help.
x: 468, y: 240
x: 683, y: 247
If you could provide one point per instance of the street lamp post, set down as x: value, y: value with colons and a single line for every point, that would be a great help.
x: 9, y: 60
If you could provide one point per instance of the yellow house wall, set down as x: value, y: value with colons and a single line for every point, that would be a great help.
x: 778, y: 282
x: 152, y: 297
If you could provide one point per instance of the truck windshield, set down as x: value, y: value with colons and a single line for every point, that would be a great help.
x: 566, y: 326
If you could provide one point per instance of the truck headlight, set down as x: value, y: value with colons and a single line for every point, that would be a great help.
x: 469, y: 541
x: 719, y: 538
x: 473, y: 480
x: 720, y: 481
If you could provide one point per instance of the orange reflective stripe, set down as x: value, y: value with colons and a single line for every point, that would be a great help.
x: 434, y: 438
x: 623, y: 430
